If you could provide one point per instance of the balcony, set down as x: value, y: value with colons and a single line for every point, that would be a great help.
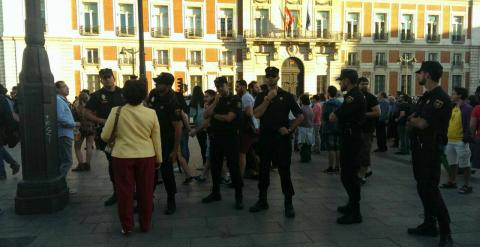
x: 458, y: 39
x: 353, y: 36
x: 433, y: 38
x: 457, y: 64
x: 380, y: 37
x: 160, y: 32
x: 194, y: 63
x: 125, y: 61
x: 225, y: 34
x: 90, y: 61
x: 160, y: 63
x: 407, y: 37
x: 380, y: 64
x: 352, y: 63
x: 279, y: 34
x: 226, y: 63
x: 89, y: 30
x: 191, y: 33
x: 125, y: 31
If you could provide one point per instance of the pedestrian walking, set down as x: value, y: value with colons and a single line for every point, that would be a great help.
x: 429, y: 124
x: 317, y: 122
x: 306, y: 134
x: 7, y: 124
x: 196, y: 113
x: 65, y: 126
x: 381, y: 126
x: 330, y: 132
x: 272, y: 107
x: 404, y: 110
x: 86, y: 132
x: 350, y: 117
x: 475, y: 130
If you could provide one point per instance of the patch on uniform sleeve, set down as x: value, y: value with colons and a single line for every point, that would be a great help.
x: 438, y: 104
x: 349, y: 99
x: 178, y: 112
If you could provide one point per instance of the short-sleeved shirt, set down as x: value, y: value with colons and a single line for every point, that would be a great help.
x: 307, y: 117
x: 102, y: 101
x: 248, y: 100
x: 276, y: 115
x: 435, y: 107
x: 168, y: 110
x: 351, y: 113
x: 317, y: 114
x: 405, y: 107
x: 455, y: 128
x: 328, y: 107
x: 370, y: 123
x: 225, y: 105
x: 476, y: 114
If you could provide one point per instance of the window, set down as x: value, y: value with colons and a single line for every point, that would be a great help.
x: 380, y: 26
x: 322, y: 24
x: 160, y: 21
x: 90, y: 18
x: 195, y: 80
x: 457, y: 30
x: 321, y: 84
x: 195, y: 58
x: 379, y: 84
x: 457, y: 59
x: 432, y: 28
x: 380, y: 59
x: 126, y: 58
x: 456, y: 81
x: 227, y: 58
x: 126, y: 20
x: 261, y: 22
x: 433, y: 57
x: 352, y: 26
x: 194, y: 22
x: 407, y: 28
x: 226, y: 23
x: 352, y: 59
x: 406, y: 84
x: 93, y: 83
x: 92, y: 56
x: 161, y: 57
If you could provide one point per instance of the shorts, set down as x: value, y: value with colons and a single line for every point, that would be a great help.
x: 330, y: 142
x: 458, y: 153
x: 246, y: 142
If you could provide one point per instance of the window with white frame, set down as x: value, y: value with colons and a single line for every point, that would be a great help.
x: 379, y: 85
x: 433, y: 27
x: 194, y: 22
x: 227, y: 58
x: 380, y: 26
x: 195, y: 57
x: 433, y: 56
x: 261, y: 22
x: 456, y: 81
x: 90, y: 17
x: 195, y: 80
x: 92, y: 56
x: 457, y: 59
x: 380, y: 59
x: 126, y: 19
x: 322, y: 24
x: 353, y: 25
x: 93, y: 83
x: 407, y: 27
x: 352, y: 58
x: 226, y: 23
x: 160, y: 21
x: 161, y: 57
x: 457, y: 29
x: 126, y: 58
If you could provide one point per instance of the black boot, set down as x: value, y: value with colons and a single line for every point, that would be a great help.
x: 289, y: 210
x: 352, y: 216
x: 171, y: 205
x: 445, y: 240
x: 344, y: 209
x: 425, y: 229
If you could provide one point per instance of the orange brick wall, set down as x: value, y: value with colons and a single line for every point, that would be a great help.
x: 74, y: 14
x: 210, y: 17
x: 211, y: 55
x: 445, y: 78
x: 459, y: 8
x: 394, y: 26
x: 393, y: 56
x: 354, y: 5
x: 446, y: 22
x: 179, y: 54
x: 420, y: 56
x: 367, y: 19
x: 228, y: 1
x: 177, y: 17
x: 148, y: 53
x: 239, y: 55
x: 366, y: 56
x: 108, y: 15
x: 76, y: 52
x: 148, y: 75
x: 421, y: 21
x: 110, y: 53
x: 434, y: 7
x: 393, y: 79
x: 381, y: 5
x: 445, y: 57
x: 408, y: 6
x: 145, y: 16
x: 78, y: 82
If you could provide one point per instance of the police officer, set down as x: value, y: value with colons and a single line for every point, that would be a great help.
x: 350, y: 117
x: 273, y: 108
x: 97, y: 110
x: 162, y: 99
x: 429, y: 125
x: 224, y: 113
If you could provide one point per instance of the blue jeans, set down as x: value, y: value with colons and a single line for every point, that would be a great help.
x: 5, y: 156
x: 64, y: 154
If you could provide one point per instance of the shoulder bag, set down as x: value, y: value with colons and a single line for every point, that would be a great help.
x: 111, y: 140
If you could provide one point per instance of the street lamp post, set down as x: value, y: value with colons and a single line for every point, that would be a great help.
x: 141, y: 43
x: 132, y: 52
x: 43, y: 189
x: 407, y: 61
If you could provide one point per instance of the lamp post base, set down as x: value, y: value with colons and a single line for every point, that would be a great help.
x: 41, y: 197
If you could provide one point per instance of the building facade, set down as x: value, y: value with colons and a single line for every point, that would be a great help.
x: 198, y: 40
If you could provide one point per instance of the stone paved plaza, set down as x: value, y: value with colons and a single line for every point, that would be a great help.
x: 389, y: 205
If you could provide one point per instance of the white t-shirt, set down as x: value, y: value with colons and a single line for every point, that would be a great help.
x: 248, y: 100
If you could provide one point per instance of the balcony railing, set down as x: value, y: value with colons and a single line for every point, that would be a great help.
x: 88, y: 30
x: 379, y: 37
x: 191, y: 33
x: 380, y: 63
x: 407, y: 37
x: 125, y: 61
x: 297, y: 35
x: 458, y: 38
x: 353, y: 36
x: 125, y: 31
x: 194, y: 63
x: 457, y: 64
x: 159, y: 32
x: 160, y: 63
x: 225, y: 34
x: 352, y: 63
x: 90, y: 61
x: 433, y: 38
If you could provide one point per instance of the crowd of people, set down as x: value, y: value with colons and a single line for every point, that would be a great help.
x: 256, y: 130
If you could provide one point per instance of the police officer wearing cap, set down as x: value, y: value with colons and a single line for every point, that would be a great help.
x: 273, y: 108
x: 224, y: 113
x: 350, y: 117
x: 97, y: 110
x: 429, y: 125
x: 162, y: 99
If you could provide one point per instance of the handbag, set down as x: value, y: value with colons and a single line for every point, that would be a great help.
x: 111, y: 140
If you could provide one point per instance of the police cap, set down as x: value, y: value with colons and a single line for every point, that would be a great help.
x: 271, y: 72
x: 350, y: 74
x: 434, y: 68
x: 164, y: 78
x: 105, y: 73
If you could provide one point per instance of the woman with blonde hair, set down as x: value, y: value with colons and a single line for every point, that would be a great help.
x: 85, y: 132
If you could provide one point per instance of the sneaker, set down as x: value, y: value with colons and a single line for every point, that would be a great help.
x: 110, y: 201
x: 213, y: 197
x: 126, y: 233
x: 424, y: 230
x: 445, y: 241
x: 329, y: 170
x: 15, y: 168
x: 259, y: 206
x: 465, y: 190
x: 448, y: 185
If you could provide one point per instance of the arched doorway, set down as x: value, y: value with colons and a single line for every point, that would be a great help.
x: 293, y: 76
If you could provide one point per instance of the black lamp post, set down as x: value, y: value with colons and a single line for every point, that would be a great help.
x: 141, y: 43
x: 43, y: 188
